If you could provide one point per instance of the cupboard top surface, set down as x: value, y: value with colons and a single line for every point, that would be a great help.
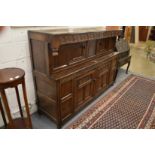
x: 73, y: 30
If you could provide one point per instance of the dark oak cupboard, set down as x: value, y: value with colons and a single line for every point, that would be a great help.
x: 71, y: 68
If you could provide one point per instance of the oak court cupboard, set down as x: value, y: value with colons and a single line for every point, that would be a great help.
x: 71, y: 68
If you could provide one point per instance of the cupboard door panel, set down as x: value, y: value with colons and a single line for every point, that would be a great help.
x: 102, y: 45
x: 106, y: 45
x: 91, y: 48
x: 112, y: 76
x: 66, y: 108
x: 66, y: 99
x: 87, y: 92
x: 79, y: 98
x: 112, y: 42
x: 102, y: 78
x: 71, y: 53
x: 84, y: 89
x: 113, y: 70
x: 66, y: 88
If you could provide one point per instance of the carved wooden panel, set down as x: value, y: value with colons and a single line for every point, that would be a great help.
x: 71, y: 53
x: 105, y: 45
x: 84, y: 89
x: 102, y: 78
x: 74, y: 38
x: 66, y: 108
x: 38, y: 54
x: 113, y: 70
x: 47, y: 105
x: 46, y: 88
x: 91, y: 48
x: 66, y: 88
x: 66, y: 99
x: 112, y: 76
x: 102, y: 44
x: 112, y: 42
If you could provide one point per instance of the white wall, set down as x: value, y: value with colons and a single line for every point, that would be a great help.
x: 14, y: 52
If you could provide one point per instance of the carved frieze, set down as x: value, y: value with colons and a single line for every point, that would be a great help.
x: 75, y: 38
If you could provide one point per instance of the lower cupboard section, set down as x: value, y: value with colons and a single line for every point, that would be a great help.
x: 65, y: 97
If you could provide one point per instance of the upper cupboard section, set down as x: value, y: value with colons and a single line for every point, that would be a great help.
x: 78, y: 52
x: 59, y: 50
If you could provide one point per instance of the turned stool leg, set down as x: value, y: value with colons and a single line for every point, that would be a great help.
x: 6, y: 105
x: 19, y: 103
x: 3, y: 114
x: 26, y: 103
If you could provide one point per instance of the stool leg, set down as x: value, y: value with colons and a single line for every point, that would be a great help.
x: 26, y: 103
x: 6, y: 105
x: 3, y: 114
x: 19, y: 103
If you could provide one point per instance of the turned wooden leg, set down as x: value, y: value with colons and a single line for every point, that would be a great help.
x: 3, y: 114
x: 26, y: 103
x: 128, y: 67
x: 6, y: 105
x: 19, y: 103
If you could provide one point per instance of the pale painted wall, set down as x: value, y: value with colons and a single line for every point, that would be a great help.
x: 14, y: 52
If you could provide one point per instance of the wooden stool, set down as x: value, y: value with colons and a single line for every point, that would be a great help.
x: 11, y: 78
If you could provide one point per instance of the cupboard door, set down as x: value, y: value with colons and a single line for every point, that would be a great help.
x: 84, y: 89
x: 66, y: 100
x: 102, y: 45
x: 102, y: 77
x: 105, y: 46
x: 70, y: 54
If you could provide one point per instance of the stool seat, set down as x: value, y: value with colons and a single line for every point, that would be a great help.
x: 11, y: 78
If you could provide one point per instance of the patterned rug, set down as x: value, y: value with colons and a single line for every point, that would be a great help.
x: 130, y: 105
